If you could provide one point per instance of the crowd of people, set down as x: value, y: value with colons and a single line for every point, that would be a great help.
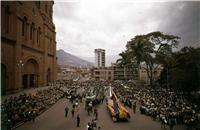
x: 92, y: 125
x: 168, y: 107
x: 26, y: 107
x: 162, y: 105
x: 90, y: 105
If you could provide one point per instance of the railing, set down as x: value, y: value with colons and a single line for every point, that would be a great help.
x: 119, y: 74
x: 119, y: 69
x: 132, y: 74
x: 119, y: 78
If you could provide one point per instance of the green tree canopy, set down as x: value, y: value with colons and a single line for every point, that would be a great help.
x: 123, y: 60
x: 185, y: 70
x: 142, y: 47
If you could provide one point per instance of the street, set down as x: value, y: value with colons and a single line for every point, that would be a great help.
x: 54, y: 119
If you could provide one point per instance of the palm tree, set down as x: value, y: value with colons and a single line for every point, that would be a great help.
x: 138, y: 48
x: 151, y: 66
x: 124, y: 60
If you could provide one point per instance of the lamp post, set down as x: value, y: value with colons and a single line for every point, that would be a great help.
x: 20, y: 67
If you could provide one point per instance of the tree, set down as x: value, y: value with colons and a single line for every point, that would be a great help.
x: 137, y: 49
x: 165, y: 44
x: 142, y: 47
x: 151, y: 66
x: 124, y: 60
x: 162, y: 80
x: 184, y: 71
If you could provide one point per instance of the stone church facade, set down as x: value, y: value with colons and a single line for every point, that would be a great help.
x: 27, y: 35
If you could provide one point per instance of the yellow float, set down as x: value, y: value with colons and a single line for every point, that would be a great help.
x: 115, y: 109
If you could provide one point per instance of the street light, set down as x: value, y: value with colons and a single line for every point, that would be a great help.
x: 20, y: 67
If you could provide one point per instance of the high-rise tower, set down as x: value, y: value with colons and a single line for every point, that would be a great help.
x: 99, y: 57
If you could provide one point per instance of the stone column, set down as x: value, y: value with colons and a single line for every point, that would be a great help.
x: 28, y: 81
x: 34, y: 81
x: 37, y: 80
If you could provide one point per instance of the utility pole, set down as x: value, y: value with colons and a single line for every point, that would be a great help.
x: 20, y: 67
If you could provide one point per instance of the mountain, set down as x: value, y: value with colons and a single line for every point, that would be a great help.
x: 109, y: 59
x: 90, y: 59
x: 65, y: 58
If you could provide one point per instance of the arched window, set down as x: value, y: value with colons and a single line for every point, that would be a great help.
x: 32, y: 31
x: 24, y: 26
x: 38, y: 35
x: 7, y: 22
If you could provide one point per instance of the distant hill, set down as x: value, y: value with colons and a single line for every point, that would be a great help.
x: 65, y: 58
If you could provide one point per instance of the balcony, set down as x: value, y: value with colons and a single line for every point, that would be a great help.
x: 132, y: 69
x: 118, y: 73
x: 117, y: 69
x: 132, y: 73
x: 120, y: 78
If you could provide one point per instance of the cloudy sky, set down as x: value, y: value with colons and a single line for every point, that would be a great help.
x: 83, y: 26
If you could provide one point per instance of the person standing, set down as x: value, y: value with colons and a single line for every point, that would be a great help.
x: 125, y: 102
x: 33, y: 116
x: 95, y: 110
x: 96, y: 115
x: 130, y: 104
x: 171, y: 123
x: 78, y: 120
x: 154, y: 115
x: 88, y: 125
x: 134, y: 106
x: 66, y: 111
x: 8, y: 125
x: 24, y: 114
x: 73, y: 112
x: 29, y: 116
x: 74, y: 105
x: 163, y: 121
x: 88, y: 110
x: 13, y: 121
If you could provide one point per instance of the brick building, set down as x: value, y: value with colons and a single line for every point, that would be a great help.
x: 27, y: 35
x: 104, y: 73
x: 124, y: 73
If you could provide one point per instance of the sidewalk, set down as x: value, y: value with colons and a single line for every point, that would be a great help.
x: 31, y: 90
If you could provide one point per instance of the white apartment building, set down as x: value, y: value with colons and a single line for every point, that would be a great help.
x: 99, y: 57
